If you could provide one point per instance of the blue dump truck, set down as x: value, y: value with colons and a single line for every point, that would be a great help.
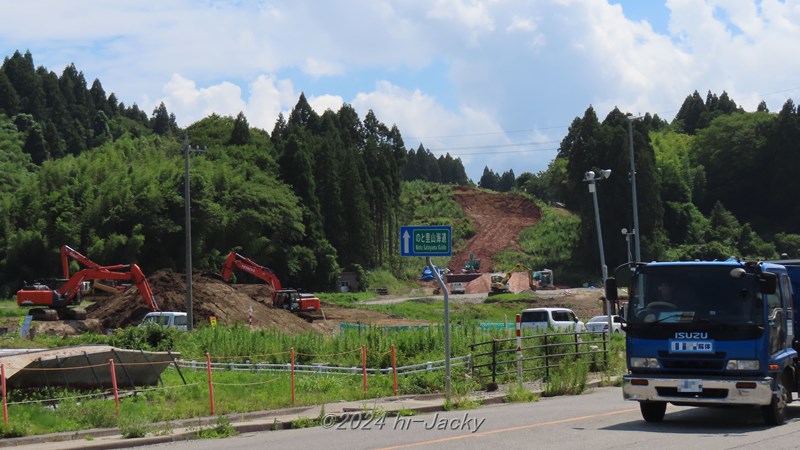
x: 715, y: 333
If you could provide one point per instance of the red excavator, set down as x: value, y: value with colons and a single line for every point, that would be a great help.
x: 291, y: 300
x: 50, y: 304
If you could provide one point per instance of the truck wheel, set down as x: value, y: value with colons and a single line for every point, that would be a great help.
x: 653, y: 411
x: 775, y: 412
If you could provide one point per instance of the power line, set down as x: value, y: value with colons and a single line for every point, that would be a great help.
x: 488, y: 133
x: 449, y: 149
x: 498, y: 153
x: 521, y: 144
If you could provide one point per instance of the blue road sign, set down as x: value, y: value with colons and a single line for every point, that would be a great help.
x: 426, y: 241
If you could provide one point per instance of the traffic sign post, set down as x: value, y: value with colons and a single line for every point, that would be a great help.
x: 431, y: 241
x: 426, y: 241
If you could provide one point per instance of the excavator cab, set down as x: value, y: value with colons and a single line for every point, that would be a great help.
x: 288, y: 299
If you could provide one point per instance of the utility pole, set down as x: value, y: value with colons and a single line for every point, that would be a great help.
x: 636, y: 229
x: 187, y: 202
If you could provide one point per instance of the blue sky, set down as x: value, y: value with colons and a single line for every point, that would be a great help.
x: 493, y: 82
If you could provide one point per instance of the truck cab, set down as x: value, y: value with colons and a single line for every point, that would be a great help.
x: 710, y: 334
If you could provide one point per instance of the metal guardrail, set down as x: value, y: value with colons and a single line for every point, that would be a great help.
x: 498, y: 357
x: 324, y: 369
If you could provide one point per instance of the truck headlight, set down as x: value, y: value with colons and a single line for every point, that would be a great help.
x: 644, y: 363
x: 742, y: 364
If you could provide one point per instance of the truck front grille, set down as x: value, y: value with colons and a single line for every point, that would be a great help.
x: 707, y: 393
x: 693, y: 363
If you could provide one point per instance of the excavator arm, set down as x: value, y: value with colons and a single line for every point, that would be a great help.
x: 237, y: 261
x: 68, y: 252
x: 131, y: 272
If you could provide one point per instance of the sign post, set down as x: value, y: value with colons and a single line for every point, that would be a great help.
x: 429, y: 241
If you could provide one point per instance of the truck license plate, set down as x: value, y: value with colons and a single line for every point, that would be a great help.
x: 690, y: 386
x: 678, y: 346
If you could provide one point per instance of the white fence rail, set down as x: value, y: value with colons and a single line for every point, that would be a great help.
x: 322, y: 368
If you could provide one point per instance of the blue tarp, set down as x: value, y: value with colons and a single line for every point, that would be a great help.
x: 427, y: 274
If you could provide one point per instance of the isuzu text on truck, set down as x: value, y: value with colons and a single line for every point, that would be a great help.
x: 718, y: 333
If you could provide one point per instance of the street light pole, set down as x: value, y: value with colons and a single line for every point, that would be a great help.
x: 589, y: 177
x: 187, y: 201
x: 633, y: 191
x: 628, y: 241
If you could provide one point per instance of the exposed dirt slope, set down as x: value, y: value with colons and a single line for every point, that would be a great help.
x: 230, y: 304
x: 210, y: 297
x: 499, y: 218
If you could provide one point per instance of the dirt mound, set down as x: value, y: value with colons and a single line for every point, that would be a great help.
x: 499, y: 218
x: 516, y: 284
x: 210, y: 297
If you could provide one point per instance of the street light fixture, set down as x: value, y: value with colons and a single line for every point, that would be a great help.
x: 591, y: 178
x: 186, y: 198
x: 633, y: 189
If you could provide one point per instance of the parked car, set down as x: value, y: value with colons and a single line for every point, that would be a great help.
x: 599, y: 324
x: 179, y: 320
x: 561, y: 319
x: 457, y: 288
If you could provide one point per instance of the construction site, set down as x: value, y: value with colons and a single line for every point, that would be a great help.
x: 498, y: 220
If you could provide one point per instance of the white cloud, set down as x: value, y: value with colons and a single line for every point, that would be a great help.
x: 185, y: 99
x: 325, y: 102
x: 473, y: 70
x: 318, y: 68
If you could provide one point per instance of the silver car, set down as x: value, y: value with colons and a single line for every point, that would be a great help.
x: 599, y: 324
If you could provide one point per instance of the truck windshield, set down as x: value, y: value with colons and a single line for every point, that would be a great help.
x: 692, y: 294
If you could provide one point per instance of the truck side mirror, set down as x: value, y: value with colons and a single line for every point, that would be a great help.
x: 611, y: 289
x: 768, y: 283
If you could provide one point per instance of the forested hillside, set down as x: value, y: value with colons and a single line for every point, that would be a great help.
x: 715, y: 182
x: 317, y: 195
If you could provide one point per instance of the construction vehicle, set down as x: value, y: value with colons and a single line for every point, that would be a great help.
x: 542, y: 279
x: 305, y: 306
x: 500, y: 282
x: 473, y: 265
x: 53, y: 304
x: 107, y: 286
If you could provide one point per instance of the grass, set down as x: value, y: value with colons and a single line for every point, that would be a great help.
x: 517, y: 393
x: 502, y: 309
x: 140, y: 414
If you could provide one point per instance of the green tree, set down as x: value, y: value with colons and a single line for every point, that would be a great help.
x: 241, y: 130
x: 489, y: 179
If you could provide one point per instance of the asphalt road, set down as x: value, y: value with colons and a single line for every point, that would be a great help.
x: 599, y: 419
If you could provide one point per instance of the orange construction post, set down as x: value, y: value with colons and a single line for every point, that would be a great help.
x: 114, y: 384
x: 364, y: 365
x: 210, y: 382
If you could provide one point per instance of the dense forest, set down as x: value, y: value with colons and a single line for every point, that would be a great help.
x: 319, y: 194
x: 714, y: 183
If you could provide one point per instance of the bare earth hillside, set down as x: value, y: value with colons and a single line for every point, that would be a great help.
x: 499, y: 218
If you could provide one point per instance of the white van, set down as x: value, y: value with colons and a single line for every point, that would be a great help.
x: 559, y: 319
x: 171, y: 319
x: 457, y: 288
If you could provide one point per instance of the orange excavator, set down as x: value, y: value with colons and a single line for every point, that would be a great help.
x: 53, y: 304
x: 305, y: 305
